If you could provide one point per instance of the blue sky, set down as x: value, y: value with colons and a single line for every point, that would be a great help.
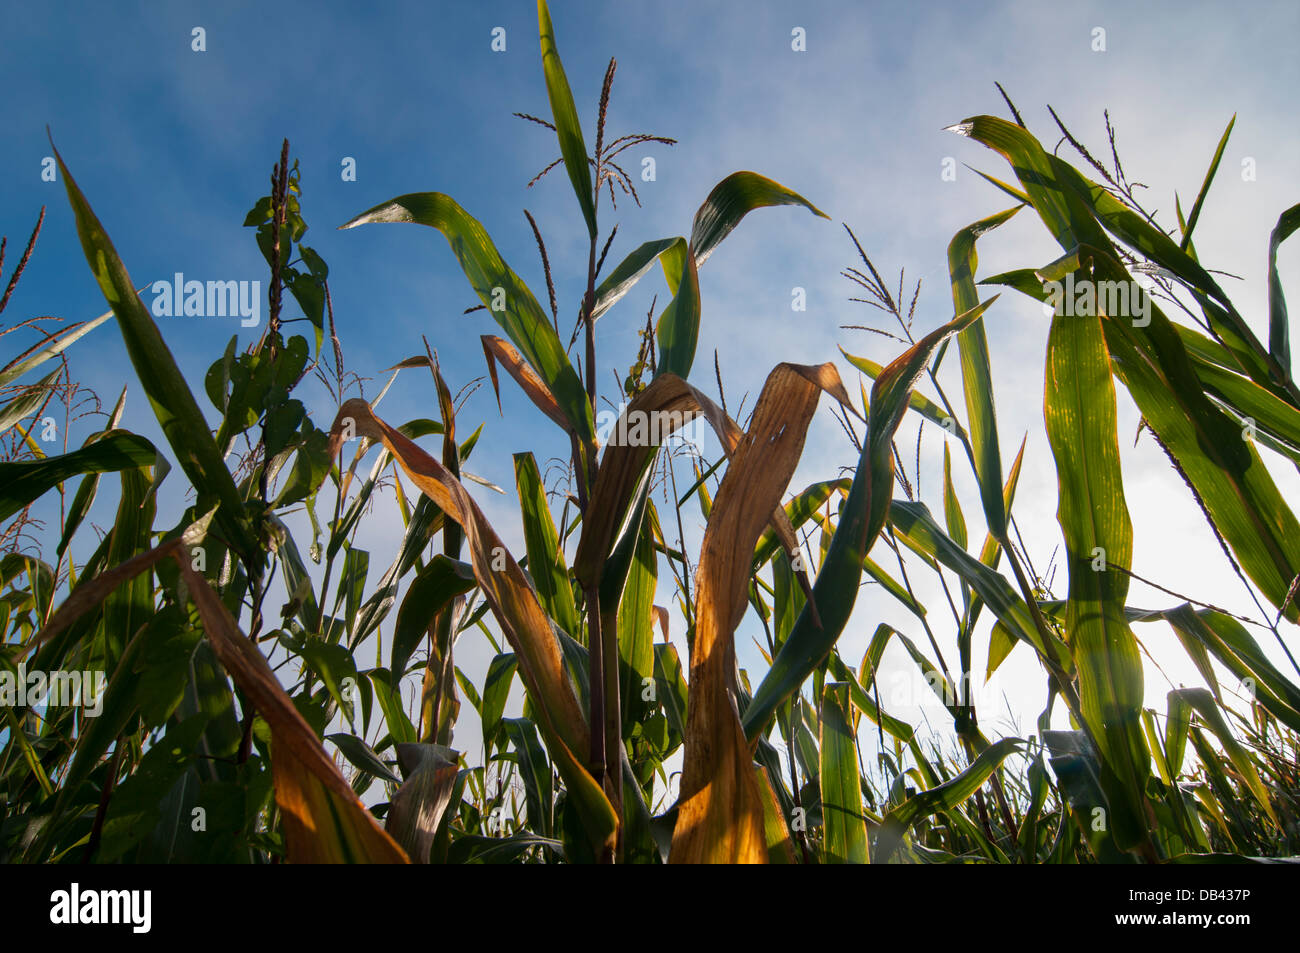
x: 172, y: 147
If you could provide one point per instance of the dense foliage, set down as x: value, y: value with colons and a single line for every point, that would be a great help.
x: 204, y: 750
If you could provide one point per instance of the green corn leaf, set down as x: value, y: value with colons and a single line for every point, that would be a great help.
x: 496, y: 690
x: 567, y: 127
x: 1229, y: 642
x: 1195, y: 215
x: 916, y: 528
x: 131, y: 604
x: 952, y: 514
x: 56, y: 346
x: 917, y: 401
x: 28, y: 402
x: 178, y: 414
x: 390, y: 702
x: 362, y: 757
x: 26, y: 481
x: 845, y: 839
x: 1204, y: 705
x: 631, y: 270
x: 864, y: 702
x: 545, y: 558
x: 636, y: 618
x: 799, y: 510
x: 1074, y: 762
x: 1279, y: 342
x: 976, y: 373
x: 507, y: 298
x: 730, y: 201
x: 1262, y: 408
x: 679, y: 325
x: 1001, y: 642
x: 893, y: 587
x: 535, y: 770
x: 1076, y: 209
x: 1224, y: 469
x: 1080, y: 414
x: 1179, y: 719
x: 671, y: 686
x: 475, y: 848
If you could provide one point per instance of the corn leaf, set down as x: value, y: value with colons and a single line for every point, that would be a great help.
x: 1080, y: 413
x: 1225, y: 471
x: 861, y: 520
x: 567, y: 127
x: 545, y: 559
x: 730, y: 201
x: 845, y: 837
x: 173, y: 404
x: 1279, y: 341
x: 26, y: 481
x: 324, y: 821
x: 976, y: 373
x: 679, y: 325
x: 631, y: 270
x: 515, y: 606
x: 720, y: 809
x: 59, y: 343
x: 507, y: 298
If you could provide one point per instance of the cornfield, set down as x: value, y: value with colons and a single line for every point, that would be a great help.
x: 241, y: 719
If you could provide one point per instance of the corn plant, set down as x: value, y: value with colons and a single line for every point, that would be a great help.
x: 1205, y: 390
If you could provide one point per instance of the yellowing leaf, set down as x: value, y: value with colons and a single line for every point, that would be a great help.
x: 514, y: 604
x: 720, y: 811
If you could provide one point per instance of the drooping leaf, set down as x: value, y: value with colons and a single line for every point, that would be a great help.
x: 1279, y: 341
x: 429, y: 773
x: 507, y: 298
x: 730, y: 201
x: 720, y: 809
x: 499, y: 351
x: 324, y: 822
x: 26, y: 481
x: 517, y: 611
